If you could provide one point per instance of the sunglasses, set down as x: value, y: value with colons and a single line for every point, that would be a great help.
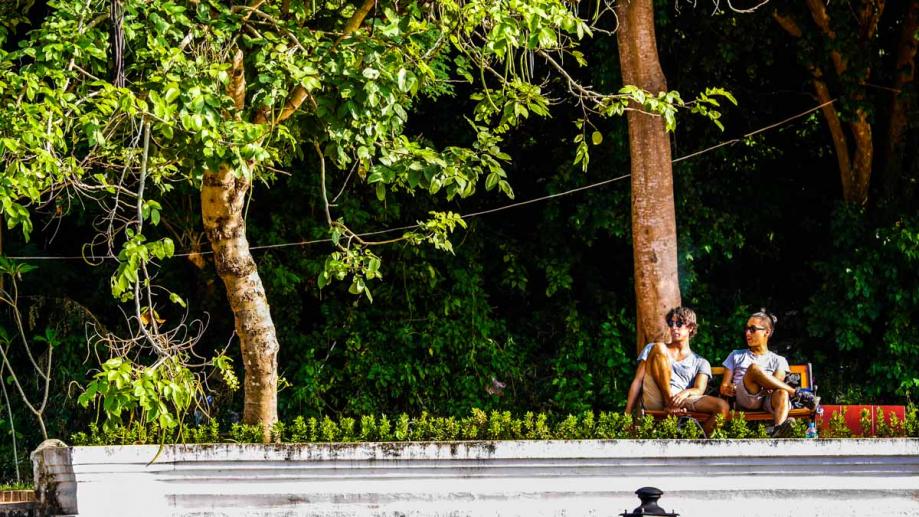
x: 678, y: 324
x: 753, y: 328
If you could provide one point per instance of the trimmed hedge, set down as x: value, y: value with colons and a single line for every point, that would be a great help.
x: 478, y: 425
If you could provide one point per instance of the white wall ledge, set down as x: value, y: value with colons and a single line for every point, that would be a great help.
x: 848, y: 477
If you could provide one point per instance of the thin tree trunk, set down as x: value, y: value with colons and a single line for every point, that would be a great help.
x: 862, y: 159
x: 223, y: 197
x: 855, y: 155
x: 654, y: 239
x: 855, y: 183
x: 837, y: 133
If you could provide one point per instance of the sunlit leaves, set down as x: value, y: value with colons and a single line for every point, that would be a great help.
x: 159, y: 394
x: 135, y: 253
x: 437, y: 230
x: 356, y: 262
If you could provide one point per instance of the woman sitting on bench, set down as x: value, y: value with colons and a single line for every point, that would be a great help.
x: 755, y: 376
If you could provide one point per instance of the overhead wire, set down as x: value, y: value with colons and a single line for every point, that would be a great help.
x: 472, y: 214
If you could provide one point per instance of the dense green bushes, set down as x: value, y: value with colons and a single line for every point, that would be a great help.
x: 497, y: 425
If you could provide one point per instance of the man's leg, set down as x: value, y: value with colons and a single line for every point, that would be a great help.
x: 780, y: 406
x: 658, y: 367
x: 714, y: 406
x: 756, y: 379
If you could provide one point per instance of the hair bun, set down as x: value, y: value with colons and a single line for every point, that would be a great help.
x: 769, y: 315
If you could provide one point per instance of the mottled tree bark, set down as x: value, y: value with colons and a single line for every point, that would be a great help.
x: 654, y: 239
x: 223, y: 197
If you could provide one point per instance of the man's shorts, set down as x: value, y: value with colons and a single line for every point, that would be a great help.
x: 753, y: 401
x: 651, y: 397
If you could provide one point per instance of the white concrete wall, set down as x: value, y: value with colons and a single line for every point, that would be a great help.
x: 737, y: 478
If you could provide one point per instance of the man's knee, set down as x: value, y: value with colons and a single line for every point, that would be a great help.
x: 658, y: 349
x: 755, y: 369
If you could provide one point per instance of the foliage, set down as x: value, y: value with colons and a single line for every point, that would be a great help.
x: 868, y: 300
x: 911, y: 422
x: 160, y: 394
x: 477, y: 426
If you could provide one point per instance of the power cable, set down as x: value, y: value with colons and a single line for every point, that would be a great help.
x: 482, y: 212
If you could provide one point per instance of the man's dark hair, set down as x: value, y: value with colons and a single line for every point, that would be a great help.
x: 684, y: 314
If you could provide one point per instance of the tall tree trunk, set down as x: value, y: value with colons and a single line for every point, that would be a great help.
x: 654, y: 240
x: 223, y: 197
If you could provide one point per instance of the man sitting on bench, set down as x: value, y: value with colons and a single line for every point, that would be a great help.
x: 672, y: 377
x: 755, y: 376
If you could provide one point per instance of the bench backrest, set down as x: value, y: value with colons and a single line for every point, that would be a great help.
x: 799, y: 375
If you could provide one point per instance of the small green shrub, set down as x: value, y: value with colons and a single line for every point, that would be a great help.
x: 244, y: 433
x: 298, y: 431
x: 837, y: 427
x: 865, y: 421
x: 369, y: 429
x: 328, y: 430
x: 384, y: 431
x: 890, y: 426
x: 718, y: 431
x: 911, y: 422
x: 737, y: 428
x: 207, y: 433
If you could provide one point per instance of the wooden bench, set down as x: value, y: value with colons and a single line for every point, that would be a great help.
x: 798, y: 376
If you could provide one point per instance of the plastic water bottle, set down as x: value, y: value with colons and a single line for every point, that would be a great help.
x: 811, y: 431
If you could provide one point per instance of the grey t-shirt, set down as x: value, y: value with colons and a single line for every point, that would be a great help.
x: 739, y: 360
x: 684, y: 372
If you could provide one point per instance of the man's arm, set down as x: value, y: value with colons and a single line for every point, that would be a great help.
x: 635, y: 387
x: 698, y: 388
x: 727, y: 387
x: 780, y: 375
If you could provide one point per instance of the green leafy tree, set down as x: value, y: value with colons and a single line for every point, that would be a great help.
x: 223, y: 95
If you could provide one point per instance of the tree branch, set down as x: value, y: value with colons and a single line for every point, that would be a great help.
x: 357, y: 18
x: 237, y: 87
x: 834, y: 125
x: 822, y: 19
x: 299, y: 94
x: 788, y: 23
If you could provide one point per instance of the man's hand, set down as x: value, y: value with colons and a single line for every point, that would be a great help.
x: 727, y: 390
x: 676, y: 402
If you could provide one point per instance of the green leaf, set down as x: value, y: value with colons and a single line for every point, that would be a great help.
x: 596, y: 137
x: 175, y: 298
x: 491, y: 181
